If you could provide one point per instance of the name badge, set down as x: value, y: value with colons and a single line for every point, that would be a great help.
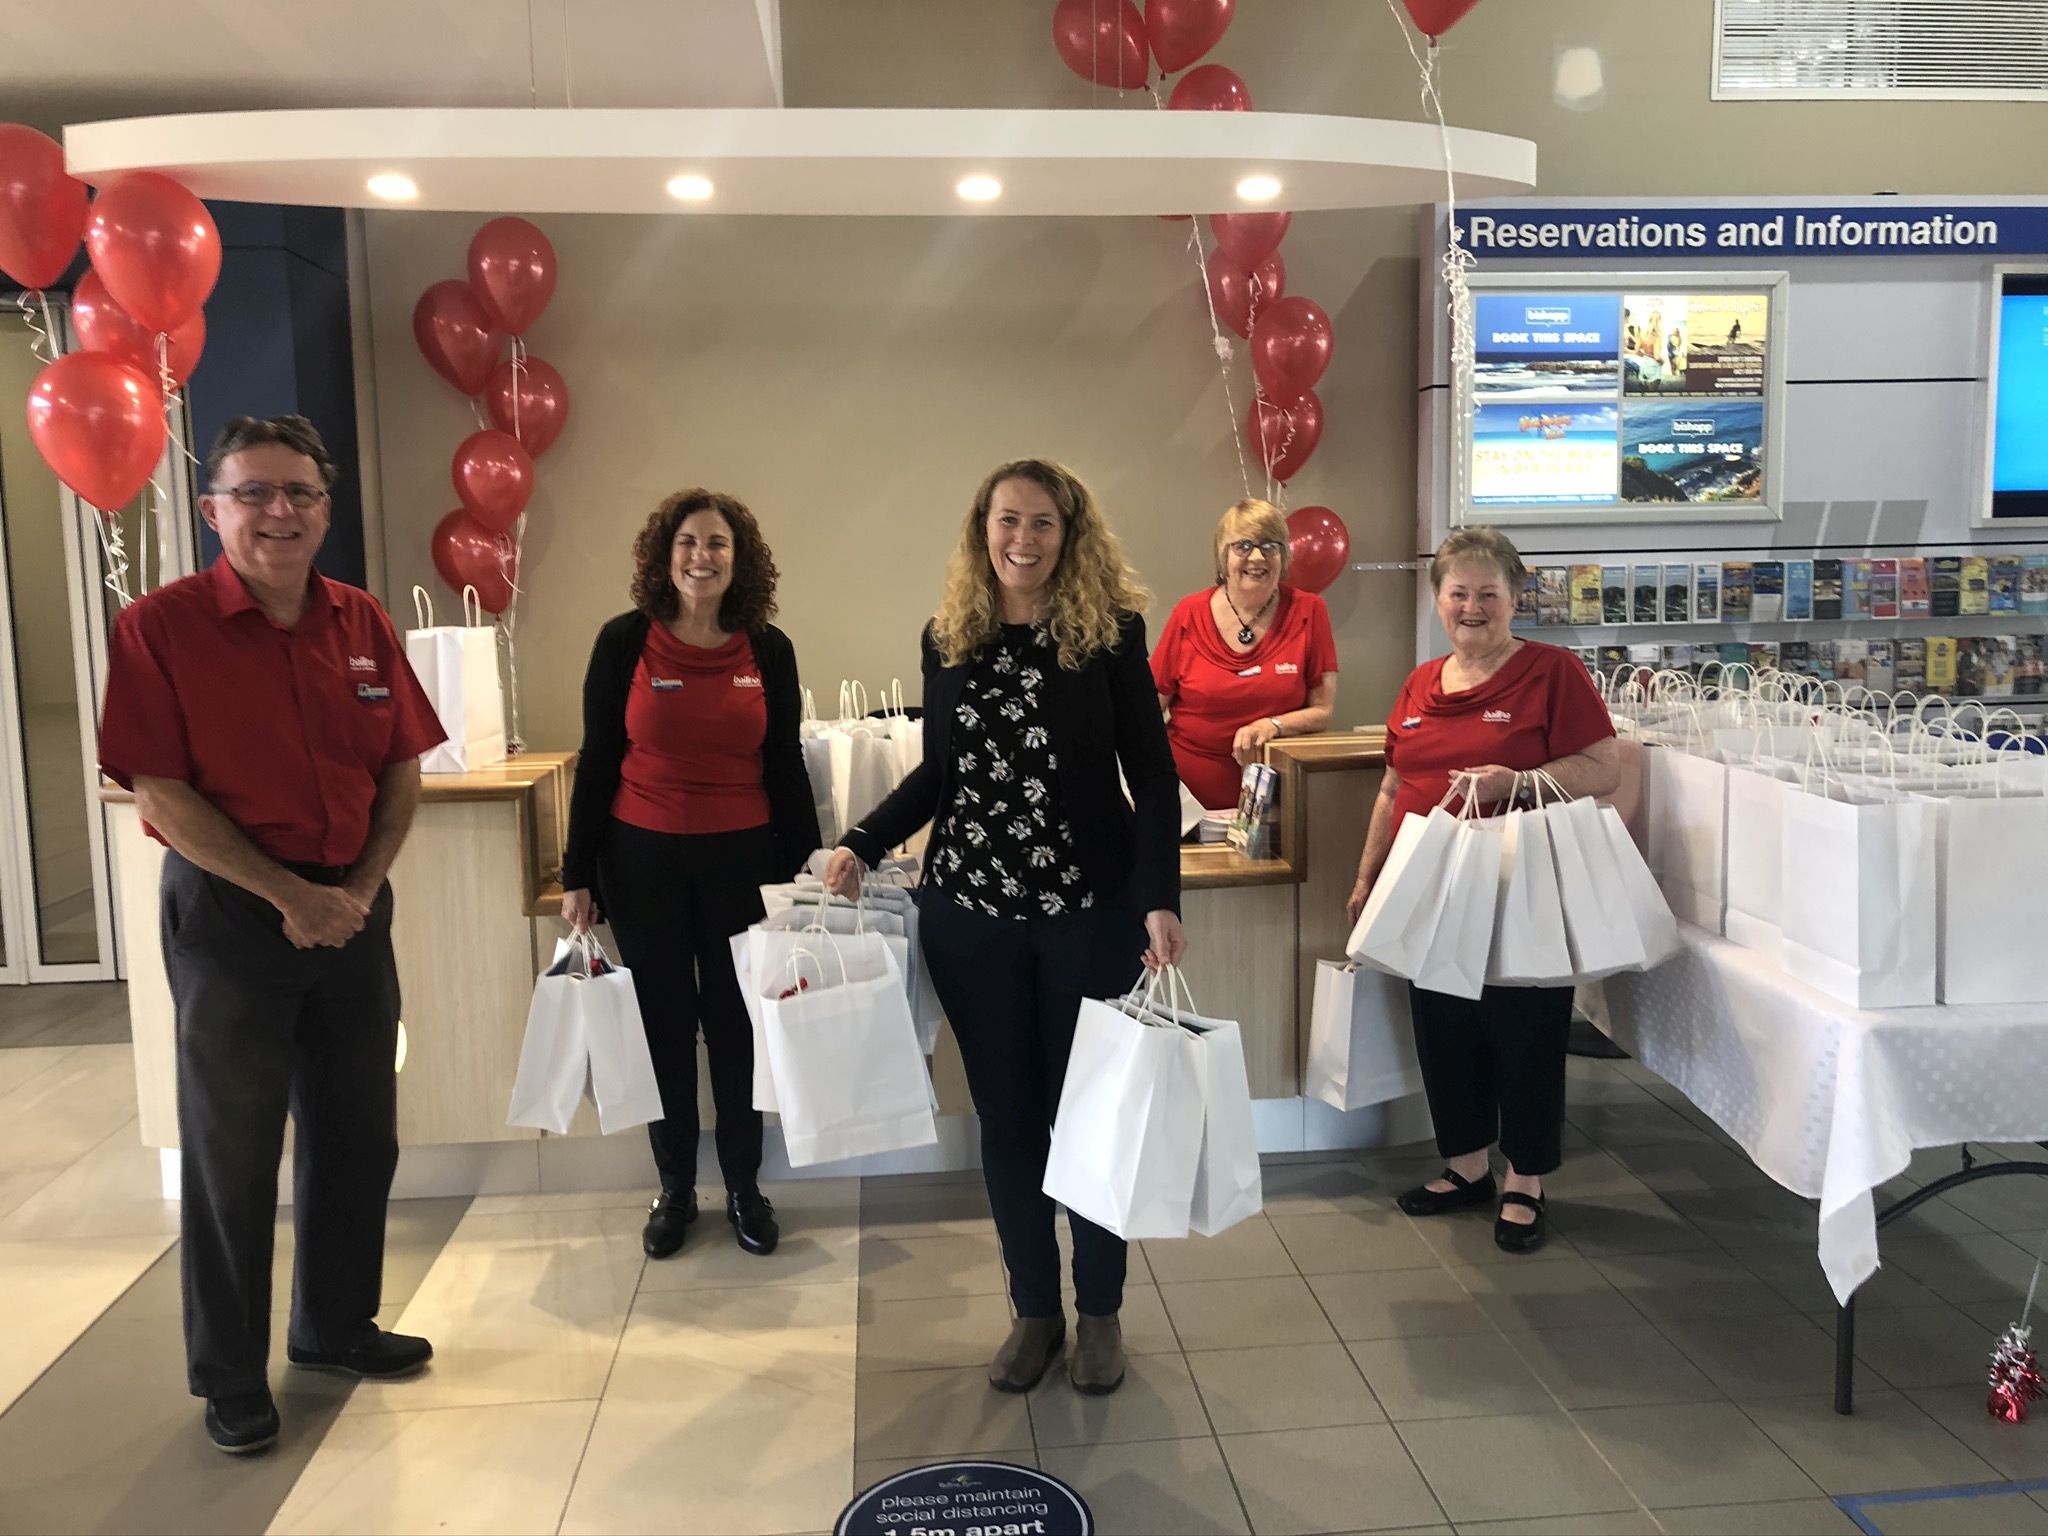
x: 665, y: 684
x: 1251, y: 671
x: 371, y: 693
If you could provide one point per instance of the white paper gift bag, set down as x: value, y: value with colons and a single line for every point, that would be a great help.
x: 1361, y: 1041
x: 1400, y: 916
x: 1756, y: 832
x: 1689, y: 834
x: 1127, y: 1138
x: 1456, y: 960
x: 1654, y: 922
x: 457, y: 666
x: 1858, y: 905
x: 1529, y: 944
x: 1598, y: 923
x: 583, y: 1029
x: 849, y: 1078
x: 1991, y: 855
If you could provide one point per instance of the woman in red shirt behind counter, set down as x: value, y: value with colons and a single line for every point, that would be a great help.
x: 1496, y: 707
x: 1244, y: 661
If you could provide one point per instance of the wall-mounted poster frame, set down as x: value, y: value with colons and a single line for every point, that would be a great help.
x: 1568, y: 380
x: 2022, y: 374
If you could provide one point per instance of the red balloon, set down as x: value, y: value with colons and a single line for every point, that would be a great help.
x: 467, y: 554
x: 512, y: 268
x: 99, y: 424
x: 1103, y: 41
x: 1212, y: 88
x: 42, y: 210
x: 104, y: 326
x: 154, y: 245
x: 1291, y: 346
x: 1436, y: 17
x: 1283, y: 436
x: 1249, y: 237
x: 1183, y: 30
x: 543, y: 404
x: 494, y: 477
x: 455, y: 335
x: 1240, y: 295
x: 1320, y: 548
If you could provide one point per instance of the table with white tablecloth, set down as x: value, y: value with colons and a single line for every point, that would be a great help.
x: 1829, y: 1100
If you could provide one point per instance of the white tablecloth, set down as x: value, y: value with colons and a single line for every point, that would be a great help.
x: 1829, y: 1100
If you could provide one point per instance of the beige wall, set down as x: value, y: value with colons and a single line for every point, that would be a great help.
x: 853, y: 379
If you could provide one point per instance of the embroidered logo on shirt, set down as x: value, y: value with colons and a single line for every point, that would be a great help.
x: 1250, y: 671
x: 664, y: 684
x: 1496, y: 717
x: 361, y: 664
x: 745, y: 680
x: 369, y: 693
x: 1285, y: 669
x: 1411, y: 722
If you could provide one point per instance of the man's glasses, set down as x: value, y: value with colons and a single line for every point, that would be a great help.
x: 1270, y: 548
x: 260, y: 493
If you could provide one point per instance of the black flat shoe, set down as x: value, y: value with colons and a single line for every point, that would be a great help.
x: 241, y: 1422
x: 668, y: 1223
x: 385, y: 1357
x: 1465, y: 1193
x: 753, y: 1221
x: 1520, y: 1237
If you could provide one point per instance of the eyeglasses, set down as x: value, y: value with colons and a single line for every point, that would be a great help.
x: 1270, y: 548
x: 260, y: 493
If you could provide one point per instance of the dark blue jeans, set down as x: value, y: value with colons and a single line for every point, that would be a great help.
x: 1011, y: 990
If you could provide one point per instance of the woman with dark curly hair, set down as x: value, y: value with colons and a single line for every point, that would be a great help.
x: 691, y: 794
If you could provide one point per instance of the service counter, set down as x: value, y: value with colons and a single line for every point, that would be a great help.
x: 478, y: 901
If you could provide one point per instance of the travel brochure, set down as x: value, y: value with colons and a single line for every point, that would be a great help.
x: 1600, y: 399
x: 1967, y: 667
x: 1773, y: 591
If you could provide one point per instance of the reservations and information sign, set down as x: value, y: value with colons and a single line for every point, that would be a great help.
x: 1869, y: 230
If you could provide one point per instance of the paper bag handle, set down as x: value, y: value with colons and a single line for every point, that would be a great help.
x: 472, y: 608
x: 422, y: 607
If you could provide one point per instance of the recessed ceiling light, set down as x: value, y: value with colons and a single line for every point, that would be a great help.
x: 689, y: 189
x: 979, y: 189
x: 393, y: 187
x: 1258, y: 189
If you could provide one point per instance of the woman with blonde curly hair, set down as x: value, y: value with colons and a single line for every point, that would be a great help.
x: 1043, y: 884
x: 690, y: 795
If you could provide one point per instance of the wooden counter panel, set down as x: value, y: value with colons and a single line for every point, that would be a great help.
x: 1338, y: 806
x: 138, y: 871
x: 1240, y: 965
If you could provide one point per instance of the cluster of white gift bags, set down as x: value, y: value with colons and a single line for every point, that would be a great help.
x: 584, y: 1036
x: 855, y: 759
x: 457, y: 666
x: 1153, y: 1137
x: 1543, y: 897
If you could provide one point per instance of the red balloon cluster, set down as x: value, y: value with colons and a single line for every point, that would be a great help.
x: 460, y: 327
x: 97, y: 416
x: 1110, y: 43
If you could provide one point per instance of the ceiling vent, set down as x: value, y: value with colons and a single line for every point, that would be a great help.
x: 1924, y: 50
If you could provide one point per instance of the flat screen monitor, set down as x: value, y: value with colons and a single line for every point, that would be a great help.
x: 1624, y: 397
x: 2018, y: 449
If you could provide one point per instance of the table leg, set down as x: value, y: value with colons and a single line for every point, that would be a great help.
x: 1845, y: 1356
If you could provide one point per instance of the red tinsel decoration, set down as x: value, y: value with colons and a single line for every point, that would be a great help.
x: 2015, y: 1376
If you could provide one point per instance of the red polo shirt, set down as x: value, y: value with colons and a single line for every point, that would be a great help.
x: 695, y: 721
x: 1214, y: 692
x: 1540, y: 706
x: 284, y: 731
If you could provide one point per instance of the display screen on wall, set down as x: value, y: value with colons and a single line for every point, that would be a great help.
x: 1622, y: 401
x: 2019, y: 414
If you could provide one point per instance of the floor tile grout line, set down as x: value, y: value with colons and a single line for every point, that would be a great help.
x: 590, y: 1434
x: 170, y: 1241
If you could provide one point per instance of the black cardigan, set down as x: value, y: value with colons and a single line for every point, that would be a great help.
x: 1103, y: 713
x: 792, y: 814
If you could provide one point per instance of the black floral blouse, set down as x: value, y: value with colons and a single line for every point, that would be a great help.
x: 1005, y: 849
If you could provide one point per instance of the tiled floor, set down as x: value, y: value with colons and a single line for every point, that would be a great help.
x: 1329, y: 1366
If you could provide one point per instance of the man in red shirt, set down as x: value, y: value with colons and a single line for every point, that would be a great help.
x: 268, y: 723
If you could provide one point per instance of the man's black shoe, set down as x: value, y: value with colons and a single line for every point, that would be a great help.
x: 668, y: 1222
x: 384, y: 1357
x: 242, y: 1421
x: 753, y: 1221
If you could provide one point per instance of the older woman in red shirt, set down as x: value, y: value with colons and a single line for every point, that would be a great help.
x: 1496, y: 707
x: 1244, y: 661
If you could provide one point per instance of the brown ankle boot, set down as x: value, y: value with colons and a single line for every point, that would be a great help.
x: 1098, y: 1364
x: 1034, y: 1343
